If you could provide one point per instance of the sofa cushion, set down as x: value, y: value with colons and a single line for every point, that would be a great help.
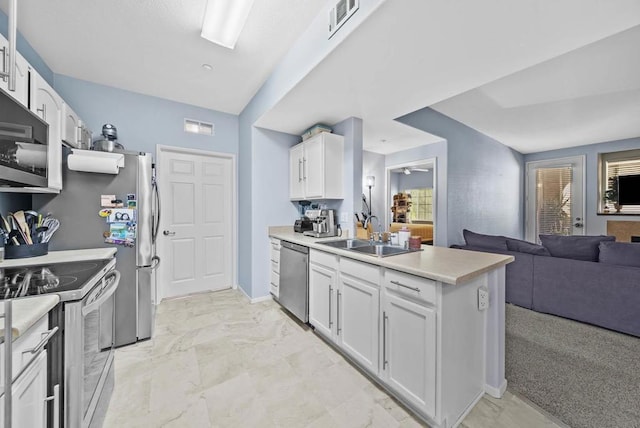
x: 521, y: 246
x: 620, y: 253
x: 485, y: 241
x: 575, y: 246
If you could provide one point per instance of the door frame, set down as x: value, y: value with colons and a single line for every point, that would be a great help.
x: 529, y: 219
x: 161, y: 152
x: 388, y: 196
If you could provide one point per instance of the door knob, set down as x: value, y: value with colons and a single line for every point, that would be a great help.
x: 168, y: 233
x: 578, y: 225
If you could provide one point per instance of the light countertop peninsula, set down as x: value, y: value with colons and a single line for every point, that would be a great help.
x: 448, y: 265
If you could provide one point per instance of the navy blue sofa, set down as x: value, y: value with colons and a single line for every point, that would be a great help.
x: 603, y: 292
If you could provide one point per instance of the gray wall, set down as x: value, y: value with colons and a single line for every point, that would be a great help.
x: 351, y: 130
x: 595, y: 224
x: 439, y: 152
x: 485, y: 178
x: 415, y: 180
x: 144, y: 121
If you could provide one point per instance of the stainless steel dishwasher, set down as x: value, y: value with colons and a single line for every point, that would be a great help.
x: 294, y: 279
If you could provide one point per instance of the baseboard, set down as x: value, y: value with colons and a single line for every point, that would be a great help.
x: 255, y: 299
x: 496, y: 392
x: 468, y: 410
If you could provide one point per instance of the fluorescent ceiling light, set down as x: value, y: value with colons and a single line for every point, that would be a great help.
x: 224, y: 20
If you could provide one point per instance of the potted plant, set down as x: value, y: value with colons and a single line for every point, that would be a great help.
x: 611, y: 194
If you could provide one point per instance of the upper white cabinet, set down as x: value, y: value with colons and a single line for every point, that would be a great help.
x: 22, y: 77
x: 70, y: 126
x: 316, y: 169
x: 47, y: 104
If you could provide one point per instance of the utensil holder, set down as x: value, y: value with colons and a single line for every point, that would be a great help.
x: 24, y: 251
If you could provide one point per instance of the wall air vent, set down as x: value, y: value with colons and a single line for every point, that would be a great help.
x: 340, y: 13
x: 197, y: 127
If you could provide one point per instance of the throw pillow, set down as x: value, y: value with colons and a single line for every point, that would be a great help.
x: 575, y: 246
x: 485, y: 241
x: 521, y: 246
x: 620, y: 253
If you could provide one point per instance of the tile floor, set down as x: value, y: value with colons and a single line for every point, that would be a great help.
x: 218, y: 361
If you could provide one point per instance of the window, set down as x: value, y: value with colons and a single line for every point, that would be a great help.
x: 553, y: 201
x: 613, y: 165
x: 421, y: 204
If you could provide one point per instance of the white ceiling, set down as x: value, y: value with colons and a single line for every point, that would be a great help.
x: 415, y: 53
x: 587, y: 96
x: 532, y: 74
x: 154, y: 47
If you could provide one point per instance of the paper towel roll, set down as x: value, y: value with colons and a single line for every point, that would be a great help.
x: 92, y: 164
x: 34, y: 155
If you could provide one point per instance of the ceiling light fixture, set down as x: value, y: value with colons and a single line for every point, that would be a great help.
x: 224, y: 20
x: 406, y: 171
x: 207, y: 67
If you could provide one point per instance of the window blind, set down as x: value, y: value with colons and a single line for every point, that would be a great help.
x: 553, y: 201
x: 621, y: 163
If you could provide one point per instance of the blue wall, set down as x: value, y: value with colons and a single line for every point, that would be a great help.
x: 439, y: 152
x: 26, y: 50
x: 485, y: 178
x: 144, y: 121
x: 373, y: 164
x: 595, y: 224
x: 415, y: 180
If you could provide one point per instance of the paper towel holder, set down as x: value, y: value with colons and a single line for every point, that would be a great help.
x: 115, y: 160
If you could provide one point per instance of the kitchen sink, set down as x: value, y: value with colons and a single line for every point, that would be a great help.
x: 382, y: 250
x: 346, y: 243
x: 367, y: 247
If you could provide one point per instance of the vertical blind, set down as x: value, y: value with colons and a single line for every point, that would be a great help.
x: 553, y: 201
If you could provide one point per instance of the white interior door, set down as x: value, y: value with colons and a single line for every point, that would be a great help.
x: 196, y: 227
x: 555, y: 198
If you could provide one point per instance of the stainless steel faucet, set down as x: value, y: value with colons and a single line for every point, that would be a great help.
x: 366, y: 223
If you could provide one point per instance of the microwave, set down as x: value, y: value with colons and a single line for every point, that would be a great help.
x: 23, y: 145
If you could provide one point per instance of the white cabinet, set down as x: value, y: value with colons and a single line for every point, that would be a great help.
x: 358, y: 306
x: 274, y: 280
x: 70, y: 126
x: 47, y: 104
x: 29, y: 396
x: 22, y: 77
x: 409, y: 351
x: 316, y: 168
x: 323, y: 284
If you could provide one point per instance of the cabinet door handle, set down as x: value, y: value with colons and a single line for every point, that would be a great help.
x: 330, y: 317
x: 416, y: 289
x: 384, y: 340
x: 338, y: 311
x: 299, y: 170
x: 274, y: 261
x: 44, y: 111
x: 56, y: 406
x: 4, y: 73
x: 47, y: 335
x: 304, y: 169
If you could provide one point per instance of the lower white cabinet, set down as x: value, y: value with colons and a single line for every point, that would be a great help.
x: 409, y: 351
x: 323, y: 284
x: 274, y: 276
x: 29, y: 396
x: 358, y: 314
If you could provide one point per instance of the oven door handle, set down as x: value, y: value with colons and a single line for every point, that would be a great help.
x: 105, y: 294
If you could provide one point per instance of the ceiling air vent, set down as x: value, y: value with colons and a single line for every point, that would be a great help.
x: 197, y: 127
x: 340, y: 13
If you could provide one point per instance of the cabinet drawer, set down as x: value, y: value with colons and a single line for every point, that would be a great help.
x: 275, y: 267
x: 324, y: 259
x: 275, y: 244
x: 275, y: 256
x: 27, y: 341
x: 417, y: 288
x: 361, y: 270
x: 275, y: 279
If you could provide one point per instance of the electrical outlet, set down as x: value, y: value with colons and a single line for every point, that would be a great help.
x: 344, y: 217
x: 483, y: 298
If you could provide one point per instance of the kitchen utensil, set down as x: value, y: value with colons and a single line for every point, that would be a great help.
x: 22, y: 225
x: 53, y: 224
x: 107, y: 145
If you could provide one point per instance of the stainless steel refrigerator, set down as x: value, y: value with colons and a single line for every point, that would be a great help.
x: 77, y: 207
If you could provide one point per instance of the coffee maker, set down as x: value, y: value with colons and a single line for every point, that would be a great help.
x: 324, y: 223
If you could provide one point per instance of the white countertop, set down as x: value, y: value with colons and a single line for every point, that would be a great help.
x: 27, y: 311
x: 449, y: 265
x: 62, y: 257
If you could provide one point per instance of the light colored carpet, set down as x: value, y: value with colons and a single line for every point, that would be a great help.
x: 584, y: 375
